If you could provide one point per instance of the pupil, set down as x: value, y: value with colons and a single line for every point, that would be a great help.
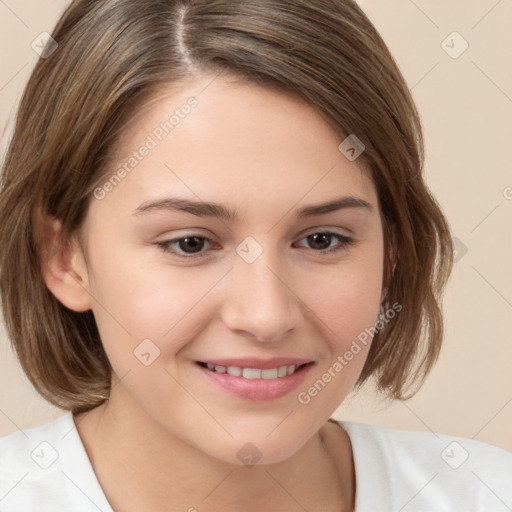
x: 316, y: 237
x: 196, y: 244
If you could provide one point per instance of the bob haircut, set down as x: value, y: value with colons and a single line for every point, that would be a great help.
x: 112, y: 56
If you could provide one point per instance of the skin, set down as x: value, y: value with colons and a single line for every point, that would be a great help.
x: 264, y: 154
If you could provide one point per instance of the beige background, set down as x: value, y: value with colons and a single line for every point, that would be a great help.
x: 466, y: 107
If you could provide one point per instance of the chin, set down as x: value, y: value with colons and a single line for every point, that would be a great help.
x: 242, y: 451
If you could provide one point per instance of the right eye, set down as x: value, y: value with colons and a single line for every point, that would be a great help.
x: 189, y: 246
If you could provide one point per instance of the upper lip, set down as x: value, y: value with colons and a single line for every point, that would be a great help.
x: 254, y: 362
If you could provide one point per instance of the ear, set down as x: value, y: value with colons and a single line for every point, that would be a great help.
x: 62, y: 264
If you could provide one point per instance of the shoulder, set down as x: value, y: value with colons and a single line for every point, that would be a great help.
x: 30, y: 466
x: 46, y: 469
x: 424, y: 446
x: 427, y: 468
x: 14, y: 446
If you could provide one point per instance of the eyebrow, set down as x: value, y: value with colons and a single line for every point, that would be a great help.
x: 210, y: 209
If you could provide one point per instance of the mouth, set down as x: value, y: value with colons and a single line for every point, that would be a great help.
x: 254, y: 373
x: 254, y: 379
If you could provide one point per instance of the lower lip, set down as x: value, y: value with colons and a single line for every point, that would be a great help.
x: 257, y: 389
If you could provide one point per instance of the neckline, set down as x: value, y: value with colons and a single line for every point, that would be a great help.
x: 82, y: 484
x: 371, y: 465
x: 355, y: 462
x: 84, y: 472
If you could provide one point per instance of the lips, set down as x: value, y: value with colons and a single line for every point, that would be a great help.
x: 256, y: 379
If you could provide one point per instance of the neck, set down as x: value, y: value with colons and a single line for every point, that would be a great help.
x: 141, y: 466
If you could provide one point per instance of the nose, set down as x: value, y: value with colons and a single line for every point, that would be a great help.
x: 260, y: 302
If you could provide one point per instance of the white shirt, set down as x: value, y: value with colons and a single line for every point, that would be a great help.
x: 46, y: 469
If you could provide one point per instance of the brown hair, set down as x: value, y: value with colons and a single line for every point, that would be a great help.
x: 111, y: 55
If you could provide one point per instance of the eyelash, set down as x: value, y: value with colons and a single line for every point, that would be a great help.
x: 345, y: 242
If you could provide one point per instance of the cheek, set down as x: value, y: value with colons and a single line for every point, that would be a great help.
x: 347, y: 299
x: 138, y: 301
x: 347, y: 306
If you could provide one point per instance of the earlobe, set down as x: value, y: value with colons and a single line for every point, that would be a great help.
x: 62, y: 265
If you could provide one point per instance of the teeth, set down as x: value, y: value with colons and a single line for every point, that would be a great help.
x: 269, y: 374
x: 254, y: 373
x: 251, y: 373
x: 235, y: 371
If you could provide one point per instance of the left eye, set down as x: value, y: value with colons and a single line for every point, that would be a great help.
x: 192, y: 246
x: 324, y: 240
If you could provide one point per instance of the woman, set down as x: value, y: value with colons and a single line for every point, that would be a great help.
x: 220, y: 230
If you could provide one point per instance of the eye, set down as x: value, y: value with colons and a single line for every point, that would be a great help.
x: 191, y: 246
x: 188, y: 247
x: 321, y: 242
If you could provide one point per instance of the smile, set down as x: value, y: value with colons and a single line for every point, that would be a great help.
x: 256, y: 379
x: 254, y: 373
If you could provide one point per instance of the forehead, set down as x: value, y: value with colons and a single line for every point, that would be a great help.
x: 232, y: 142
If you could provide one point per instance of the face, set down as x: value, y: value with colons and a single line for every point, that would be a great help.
x: 227, y: 292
